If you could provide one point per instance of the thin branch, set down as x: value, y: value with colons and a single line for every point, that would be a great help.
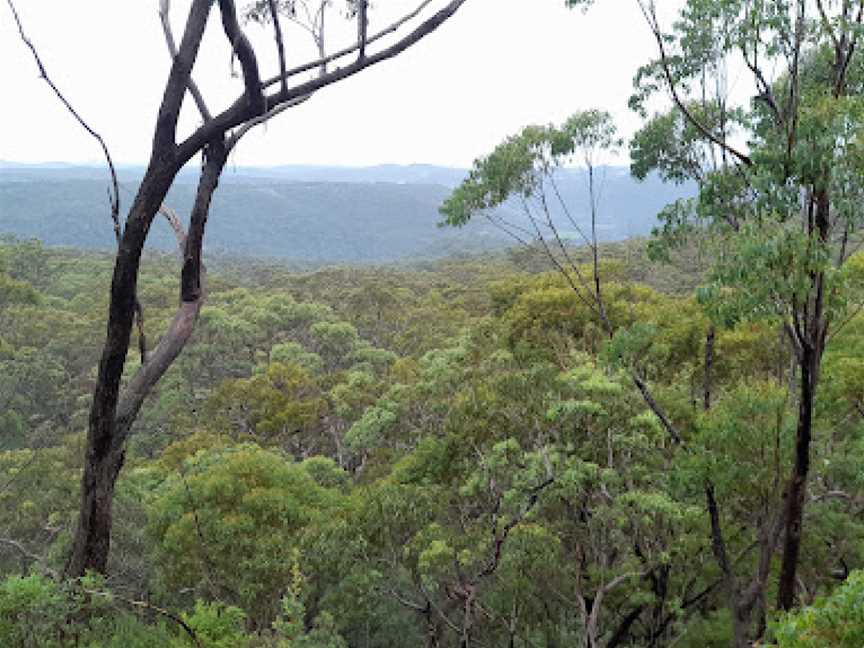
x: 411, y: 605
x: 500, y: 538
x: 567, y: 212
x: 144, y: 605
x: 851, y: 316
x: 114, y: 195
x: 826, y: 24
x: 502, y: 223
x: 654, y: 406
x: 551, y: 256
x: 307, y: 27
x: 263, y: 119
x: 164, y: 10
x: 270, y: 114
x: 114, y: 192
x: 324, y: 60
x: 794, y: 338
x: 20, y: 548
x: 240, y: 111
x: 21, y: 469
x: 550, y: 224
x: 267, y: 116
x: 651, y: 19
x: 766, y: 93
x: 177, y: 227
x: 362, y: 26
x: 280, y: 46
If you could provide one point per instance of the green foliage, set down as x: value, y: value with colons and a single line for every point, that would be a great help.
x: 521, y: 165
x: 836, y: 620
x: 224, y: 524
x: 216, y: 625
x: 361, y: 460
x: 33, y: 611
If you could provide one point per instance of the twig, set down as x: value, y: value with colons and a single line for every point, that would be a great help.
x: 114, y: 195
x: 324, y: 60
x: 152, y: 608
x: 280, y: 46
x: 164, y: 6
x: 21, y: 549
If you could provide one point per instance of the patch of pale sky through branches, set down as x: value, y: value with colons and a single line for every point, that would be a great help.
x: 497, y: 66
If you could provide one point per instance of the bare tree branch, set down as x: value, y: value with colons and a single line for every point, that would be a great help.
x: 192, y: 295
x: 114, y: 195
x: 324, y: 60
x: 176, y: 226
x: 246, y: 55
x: 114, y: 192
x: 164, y: 9
x: 280, y: 46
x: 144, y: 605
x: 241, y: 111
x: 179, y: 77
x: 362, y: 26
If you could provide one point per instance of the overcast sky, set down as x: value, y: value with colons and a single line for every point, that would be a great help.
x: 496, y: 66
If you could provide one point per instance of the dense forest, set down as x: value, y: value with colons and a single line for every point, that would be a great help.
x: 654, y: 442
x: 400, y: 457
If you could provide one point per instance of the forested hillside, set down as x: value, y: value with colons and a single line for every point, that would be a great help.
x: 310, y: 215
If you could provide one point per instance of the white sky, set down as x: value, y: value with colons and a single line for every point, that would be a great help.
x: 495, y: 67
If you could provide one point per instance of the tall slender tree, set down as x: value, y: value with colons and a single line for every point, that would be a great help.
x: 784, y: 205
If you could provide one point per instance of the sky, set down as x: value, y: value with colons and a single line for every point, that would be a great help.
x: 495, y: 67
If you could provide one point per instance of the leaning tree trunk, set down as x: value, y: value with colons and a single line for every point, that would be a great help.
x: 111, y: 417
x: 104, y: 456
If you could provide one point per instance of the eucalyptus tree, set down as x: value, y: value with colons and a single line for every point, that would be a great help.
x: 784, y: 205
x: 526, y: 168
x: 115, y: 407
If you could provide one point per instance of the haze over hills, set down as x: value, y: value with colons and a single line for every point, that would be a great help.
x: 310, y: 214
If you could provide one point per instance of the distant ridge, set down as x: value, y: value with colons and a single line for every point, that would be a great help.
x: 311, y: 214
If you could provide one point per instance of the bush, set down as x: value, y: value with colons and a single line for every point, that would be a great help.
x: 836, y: 621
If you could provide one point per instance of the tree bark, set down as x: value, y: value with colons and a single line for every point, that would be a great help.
x: 104, y: 457
x: 708, y: 379
x: 111, y: 417
x: 813, y: 340
x: 797, y: 488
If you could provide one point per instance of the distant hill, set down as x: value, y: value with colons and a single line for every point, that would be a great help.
x: 307, y: 213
